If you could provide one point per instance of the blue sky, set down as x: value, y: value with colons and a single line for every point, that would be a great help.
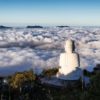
x: 50, y: 12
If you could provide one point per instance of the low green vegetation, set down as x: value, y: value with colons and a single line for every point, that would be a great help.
x: 27, y: 86
x: 19, y: 78
x: 93, y: 93
x: 50, y: 72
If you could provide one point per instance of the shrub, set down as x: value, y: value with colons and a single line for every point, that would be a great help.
x: 50, y: 72
x: 93, y: 93
x: 18, y: 78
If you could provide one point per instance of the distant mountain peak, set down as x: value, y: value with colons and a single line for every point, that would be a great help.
x: 34, y: 26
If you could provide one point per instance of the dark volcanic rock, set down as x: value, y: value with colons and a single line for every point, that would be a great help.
x: 62, y: 26
x: 34, y: 27
x: 4, y: 27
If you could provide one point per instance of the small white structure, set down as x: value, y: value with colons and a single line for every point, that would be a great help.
x: 69, y: 63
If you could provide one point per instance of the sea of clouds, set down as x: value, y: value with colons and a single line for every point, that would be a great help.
x: 22, y: 48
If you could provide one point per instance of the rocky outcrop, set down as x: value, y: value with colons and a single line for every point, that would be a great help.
x: 34, y: 27
x: 4, y: 27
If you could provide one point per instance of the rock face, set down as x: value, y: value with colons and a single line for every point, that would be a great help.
x: 34, y: 27
x: 4, y: 27
x: 62, y: 26
x: 69, y: 63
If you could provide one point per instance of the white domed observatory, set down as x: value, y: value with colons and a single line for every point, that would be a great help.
x: 69, y: 63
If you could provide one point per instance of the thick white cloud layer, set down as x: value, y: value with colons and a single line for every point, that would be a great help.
x: 22, y: 49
